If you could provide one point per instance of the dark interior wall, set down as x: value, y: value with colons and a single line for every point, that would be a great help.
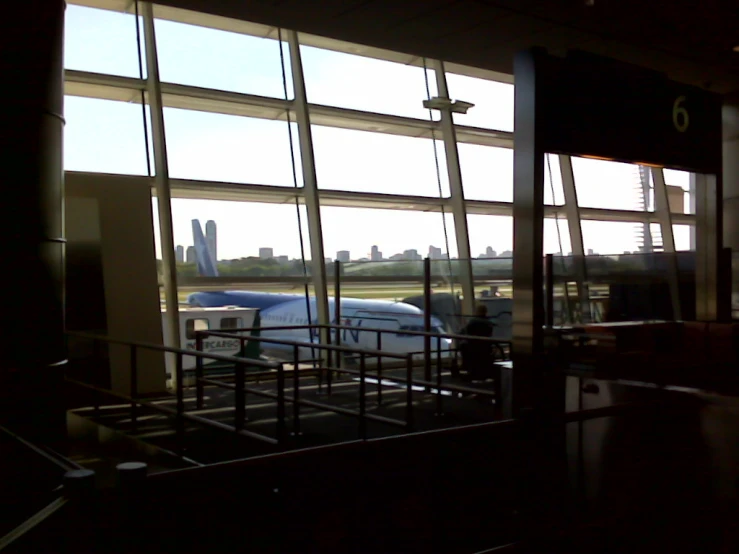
x: 85, y: 306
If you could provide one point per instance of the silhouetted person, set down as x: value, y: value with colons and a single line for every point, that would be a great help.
x: 477, y: 358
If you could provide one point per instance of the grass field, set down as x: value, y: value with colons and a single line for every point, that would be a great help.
x: 374, y: 291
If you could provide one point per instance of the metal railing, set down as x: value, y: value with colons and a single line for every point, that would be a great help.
x: 428, y: 383
x: 179, y: 412
x: 328, y: 370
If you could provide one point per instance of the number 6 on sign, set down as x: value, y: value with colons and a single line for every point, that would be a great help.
x: 680, y: 115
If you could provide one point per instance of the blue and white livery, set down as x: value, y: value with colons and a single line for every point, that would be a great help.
x: 279, y: 310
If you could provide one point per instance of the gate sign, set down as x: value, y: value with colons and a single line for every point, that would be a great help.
x: 587, y: 105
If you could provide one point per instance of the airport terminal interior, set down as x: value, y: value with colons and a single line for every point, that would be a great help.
x: 371, y: 276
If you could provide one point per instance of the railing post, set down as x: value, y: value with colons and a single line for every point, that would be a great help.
x: 97, y: 361
x: 296, y: 391
x: 134, y: 386
x: 409, y: 391
x: 549, y: 271
x: 240, y: 397
x: 180, y: 423
x: 199, y: 372
x: 330, y: 373
x: 281, y: 404
x: 427, y: 319
x: 379, y: 368
x: 439, y: 400
x: 362, y: 397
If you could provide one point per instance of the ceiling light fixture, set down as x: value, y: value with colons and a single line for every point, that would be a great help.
x: 736, y: 48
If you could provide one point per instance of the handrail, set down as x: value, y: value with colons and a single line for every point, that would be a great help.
x: 176, y: 412
x: 51, y: 455
x: 176, y: 350
x: 302, y: 344
x: 431, y: 334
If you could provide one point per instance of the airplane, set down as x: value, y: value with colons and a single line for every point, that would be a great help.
x: 279, y: 310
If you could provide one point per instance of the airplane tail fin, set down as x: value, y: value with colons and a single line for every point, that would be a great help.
x: 206, y: 266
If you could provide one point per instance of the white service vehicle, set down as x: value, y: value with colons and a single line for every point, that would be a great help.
x: 226, y: 318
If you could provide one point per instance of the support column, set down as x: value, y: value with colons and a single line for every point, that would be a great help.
x: 730, y: 139
x: 459, y: 209
x: 708, y: 244
x: 731, y: 171
x: 310, y: 185
x: 33, y: 352
x: 572, y: 208
x: 528, y: 240
x: 161, y: 180
x: 662, y: 209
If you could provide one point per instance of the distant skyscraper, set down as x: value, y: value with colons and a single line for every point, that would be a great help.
x: 266, y: 253
x: 281, y: 259
x: 590, y: 252
x: 375, y: 254
x: 179, y: 253
x: 343, y: 256
x: 411, y: 255
x: 190, y: 256
x: 434, y: 253
x: 489, y: 252
x: 211, y: 237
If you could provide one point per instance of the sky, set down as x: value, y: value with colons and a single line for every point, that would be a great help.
x: 108, y: 137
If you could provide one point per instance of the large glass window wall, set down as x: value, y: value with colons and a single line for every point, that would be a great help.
x: 380, y: 156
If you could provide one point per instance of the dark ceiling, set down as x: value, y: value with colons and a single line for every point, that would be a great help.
x: 690, y: 41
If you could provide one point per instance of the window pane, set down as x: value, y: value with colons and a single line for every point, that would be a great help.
x: 231, y: 323
x: 356, y: 230
x: 377, y: 162
x: 490, y: 231
x: 611, y: 237
x: 557, y: 236
x: 104, y: 136
x: 487, y: 172
x: 211, y: 58
x: 102, y: 41
x: 360, y: 83
x: 194, y: 325
x: 608, y: 185
x: 493, y: 102
x: 217, y: 147
x: 682, y: 236
x: 242, y: 229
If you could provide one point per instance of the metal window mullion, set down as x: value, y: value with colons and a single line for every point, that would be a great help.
x: 662, y: 210
x: 572, y: 209
x: 161, y: 180
x: 647, y: 228
x: 310, y: 183
x: 456, y: 200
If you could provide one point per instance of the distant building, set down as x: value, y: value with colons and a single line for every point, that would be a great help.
x: 434, y: 253
x: 397, y: 257
x: 328, y: 260
x: 375, y: 254
x: 591, y: 252
x: 211, y: 238
x: 179, y: 253
x: 506, y: 254
x: 490, y: 253
x: 190, y: 256
x: 282, y: 259
x: 266, y: 253
x: 412, y: 255
x: 343, y: 256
